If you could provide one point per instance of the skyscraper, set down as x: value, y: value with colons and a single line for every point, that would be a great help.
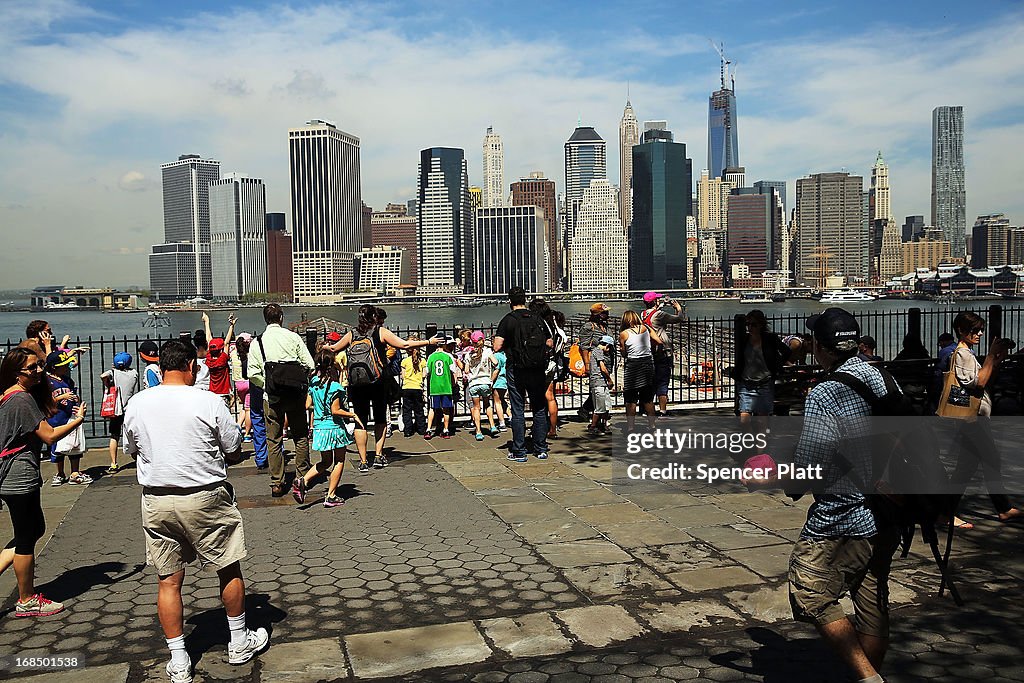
x: 723, y: 145
x: 509, y: 249
x: 831, y: 236
x: 238, y: 245
x: 629, y: 135
x: 662, y: 188
x: 879, y: 217
x: 913, y: 226
x: 753, y: 229
x: 279, y: 256
x: 949, y: 196
x: 395, y: 228
x: 990, y: 238
x: 585, y: 160
x: 780, y: 190
x: 327, y: 217
x: 184, y: 272
x: 539, y: 191
x: 494, y: 170
x: 444, y: 224
x: 600, y: 262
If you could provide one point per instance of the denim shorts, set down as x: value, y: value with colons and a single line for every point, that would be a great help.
x: 441, y: 402
x: 479, y: 390
x: 756, y: 400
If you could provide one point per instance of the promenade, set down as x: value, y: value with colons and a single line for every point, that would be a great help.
x: 455, y: 564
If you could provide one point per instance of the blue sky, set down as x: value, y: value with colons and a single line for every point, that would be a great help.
x: 94, y: 96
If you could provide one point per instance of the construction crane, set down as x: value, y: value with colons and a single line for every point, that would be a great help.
x: 720, y: 49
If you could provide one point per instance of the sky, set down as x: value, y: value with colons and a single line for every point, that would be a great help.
x: 94, y: 96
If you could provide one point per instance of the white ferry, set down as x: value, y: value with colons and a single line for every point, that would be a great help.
x: 844, y: 296
x: 66, y: 306
x: 755, y: 298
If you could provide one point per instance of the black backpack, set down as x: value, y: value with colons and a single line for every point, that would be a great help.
x: 530, y: 347
x: 903, y: 462
x: 284, y: 378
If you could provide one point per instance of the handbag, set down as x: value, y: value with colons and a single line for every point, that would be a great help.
x: 109, y: 406
x: 73, y: 443
x: 955, y: 401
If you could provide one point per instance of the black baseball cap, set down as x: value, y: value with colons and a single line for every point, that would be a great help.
x: 835, y: 328
x: 149, y: 351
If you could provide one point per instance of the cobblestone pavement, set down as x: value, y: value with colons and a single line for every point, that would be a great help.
x: 455, y: 564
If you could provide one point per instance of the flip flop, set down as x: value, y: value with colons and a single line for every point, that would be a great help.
x: 957, y: 524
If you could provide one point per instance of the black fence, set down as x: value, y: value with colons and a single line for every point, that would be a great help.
x: 702, y: 353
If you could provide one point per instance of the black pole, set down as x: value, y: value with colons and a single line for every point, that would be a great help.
x: 995, y: 321
x: 311, y: 339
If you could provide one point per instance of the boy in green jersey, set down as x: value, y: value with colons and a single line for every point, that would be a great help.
x: 440, y: 387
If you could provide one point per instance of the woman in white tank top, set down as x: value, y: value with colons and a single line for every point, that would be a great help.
x: 638, y: 371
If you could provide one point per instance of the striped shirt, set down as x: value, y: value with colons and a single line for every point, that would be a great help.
x: 830, y: 439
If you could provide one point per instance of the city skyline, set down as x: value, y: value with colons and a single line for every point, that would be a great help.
x: 93, y: 105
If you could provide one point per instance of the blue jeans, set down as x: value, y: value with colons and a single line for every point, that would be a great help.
x: 259, y: 425
x: 532, y: 384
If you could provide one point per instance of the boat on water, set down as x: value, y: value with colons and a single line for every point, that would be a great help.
x: 755, y: 298
x: 844, y: 296
x: 66, y: 306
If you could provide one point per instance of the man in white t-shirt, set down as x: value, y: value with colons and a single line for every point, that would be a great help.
x: 183, y: 439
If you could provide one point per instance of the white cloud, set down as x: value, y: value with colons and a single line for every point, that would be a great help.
x: 134, y: 181
x: 228, y: 86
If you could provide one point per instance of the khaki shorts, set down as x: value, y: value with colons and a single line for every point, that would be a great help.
x: 822, y: 571
x: 180, y: 528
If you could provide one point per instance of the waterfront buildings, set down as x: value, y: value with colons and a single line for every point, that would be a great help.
x: 382, y: 269
x: 662, y: 187
x: 629, y: 135
x: 180, y: 267
x: 990, y: 239
x: 599, y: 251
x: 327, y: 220
x: 238, y: 246
x: 510, y: 249
x: 949, y: 196
x: 444, y: 224
x: 494, y: 170
x: 924, y: 253
x: 394, y: 227
x: 279, y: 256
x: 754, y: 228
x: 585, y: 160
x: 723, y: 145
x: 831, y: 232
x: 539, y: 191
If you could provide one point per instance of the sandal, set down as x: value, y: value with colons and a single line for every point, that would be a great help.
x: 957, y: 524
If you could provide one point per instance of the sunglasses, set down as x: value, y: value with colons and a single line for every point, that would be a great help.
x: 35, y: 367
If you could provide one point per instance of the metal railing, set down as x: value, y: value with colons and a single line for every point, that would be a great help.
x: 702, y: 352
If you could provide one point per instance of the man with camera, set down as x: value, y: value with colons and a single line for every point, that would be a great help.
x: 279, y: 364
x: 658, y: 317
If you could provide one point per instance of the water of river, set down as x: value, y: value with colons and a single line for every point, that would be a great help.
x: 117, y: 325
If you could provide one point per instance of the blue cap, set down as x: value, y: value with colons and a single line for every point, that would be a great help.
x: 122, y: 361
x: 607, y: 339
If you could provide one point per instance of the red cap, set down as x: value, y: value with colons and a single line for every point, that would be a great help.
x: 216, y: 344
x: 334, y: 337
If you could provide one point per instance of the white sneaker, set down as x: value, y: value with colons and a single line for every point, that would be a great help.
x: 255, y: 642
x: 80, y: 479
x: 179, y: 675
x: 58, y: 480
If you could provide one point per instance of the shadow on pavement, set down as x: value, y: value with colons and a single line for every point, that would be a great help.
x: 81, y: 580
x: 211, y: 627
x: 780, y: 659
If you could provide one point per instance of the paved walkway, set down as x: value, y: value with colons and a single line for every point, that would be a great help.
x: 456, y: 561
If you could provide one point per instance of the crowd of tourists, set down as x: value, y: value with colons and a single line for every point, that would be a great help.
x: 184, y: 419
